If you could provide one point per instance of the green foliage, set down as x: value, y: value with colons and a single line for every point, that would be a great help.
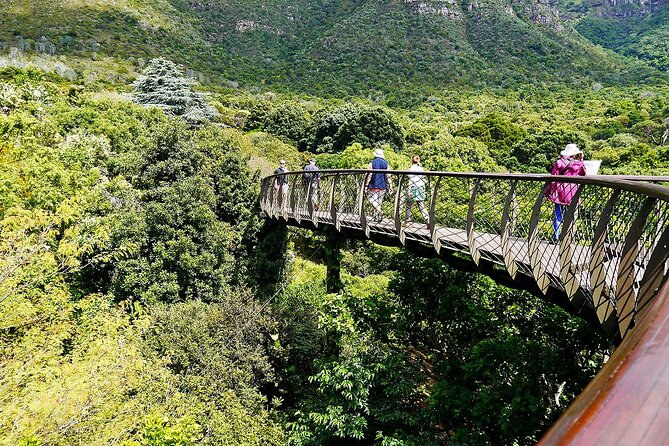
x: 216, y: 346
x: 537, y: 153
x: 158, y: 431
x: 220, y: 352
x: 500, y: 357
x: 631, y: 32
x: 327, y: 53
x: 86, y: 185
x: 497, y: 132
x: 456, y: 154
x: 337, y: 128
x: 357, y: 157
x: 193, y: 214
x: 133, y: 244
x: 288, y: 120
x: 163, y: 86
x: 362, y: 385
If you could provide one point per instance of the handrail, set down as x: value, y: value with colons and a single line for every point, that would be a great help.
x: 653, y: 178
x: 633, y: 183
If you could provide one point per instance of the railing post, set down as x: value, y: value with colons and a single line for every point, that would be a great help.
x: 433, y: 219
x: 291, y: 197
x: 312, y: 207
x: 627, y: 269
x: 398, y: 211
x: 361, y: 205
x: 272, y: 192
x: 507, y: 227
x: 471, y: 240
x: 263, y: 198
x: 296, y: 202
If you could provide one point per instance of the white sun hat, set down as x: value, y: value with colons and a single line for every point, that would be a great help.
x: 570, y: 150
x: 378, y: 153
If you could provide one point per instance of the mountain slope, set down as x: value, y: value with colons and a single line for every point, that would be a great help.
x: 638, y: 28
x: 327, y: 47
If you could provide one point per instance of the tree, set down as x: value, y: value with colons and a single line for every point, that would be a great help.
x: 335, y: 129
x: 497, y: 132
x: 456, y: 154
x: 538, y: 152
x: 163, y: 85
x: 288, y: 120
x: 190, y: 220
x: 504, y: 364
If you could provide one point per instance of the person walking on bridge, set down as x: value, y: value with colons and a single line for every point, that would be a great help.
x: 378, y: 183
x: 281, y: 184
x: 311, y: 177
x: 570, y: 163
x: 416, y: 191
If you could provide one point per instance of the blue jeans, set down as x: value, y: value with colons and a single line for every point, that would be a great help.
x: 560, y: 210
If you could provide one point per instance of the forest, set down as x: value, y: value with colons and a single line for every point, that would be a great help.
x: 145, y: 300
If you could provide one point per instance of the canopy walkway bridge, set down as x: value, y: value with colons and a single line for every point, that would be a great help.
x: 605, y: 261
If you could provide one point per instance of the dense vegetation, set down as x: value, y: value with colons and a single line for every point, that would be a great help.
x: 638, y: 29
x: 391, y: 51
x: 145, y: 301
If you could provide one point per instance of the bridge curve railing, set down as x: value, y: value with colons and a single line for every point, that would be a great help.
x: 606, y: 250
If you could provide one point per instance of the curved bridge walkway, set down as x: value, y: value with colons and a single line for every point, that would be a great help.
x: 606, y: 260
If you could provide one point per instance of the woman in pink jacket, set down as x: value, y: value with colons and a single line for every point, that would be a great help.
x: 570, y: 163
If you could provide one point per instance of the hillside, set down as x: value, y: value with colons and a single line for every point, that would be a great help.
x: 326, y: 47
x: 630, y: 27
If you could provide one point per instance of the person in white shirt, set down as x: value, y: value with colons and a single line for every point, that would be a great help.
x: 416, y: 190
x: 281, y: 184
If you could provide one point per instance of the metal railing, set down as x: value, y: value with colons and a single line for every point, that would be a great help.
x: 606, y: 249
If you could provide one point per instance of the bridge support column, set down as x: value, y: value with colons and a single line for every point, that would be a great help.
x: 333, y: 245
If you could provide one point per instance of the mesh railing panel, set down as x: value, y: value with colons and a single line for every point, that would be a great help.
x: 450, y: 212
x: 379, y: 205
x: 520, y: 214
x: 582, y: 233
x: 320, y: 195
x: 487, y: 215
x: 415, y: 198
x: 345, y: 200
